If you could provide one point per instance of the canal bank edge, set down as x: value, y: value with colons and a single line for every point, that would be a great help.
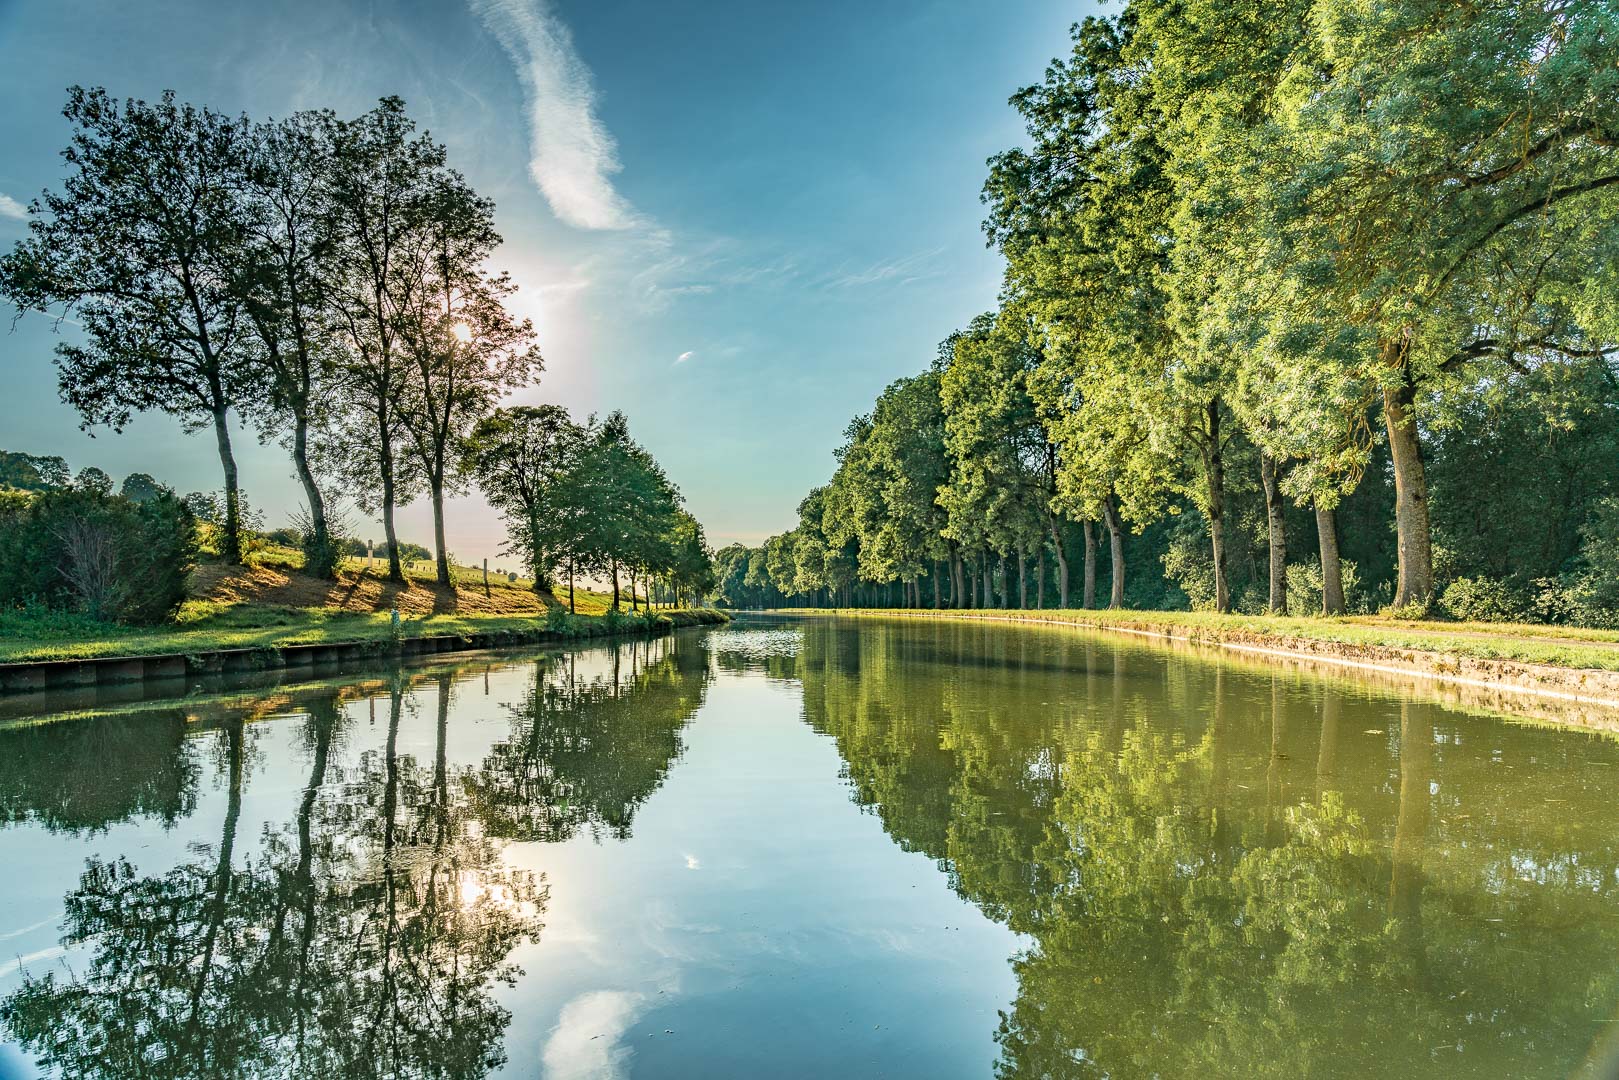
x: 33, y: 675
x: 1566, y: 696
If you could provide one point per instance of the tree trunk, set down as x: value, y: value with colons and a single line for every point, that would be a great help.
x: 1276, y: 528
x: 1062, y: 560
x: 385, y: 465
x: 1022, y: 579
x: 1214, y: 475
x: 1115, y: 533
x: 958, y: 580
x: 1415, y: 583
x: 1332, y: 569
x: 1040, y: 580
x: 615, y: 584
x: 989, y: 580
x: 230, y: 547
x: 1090, y: 564
x: 938, y: 583
x: 321, y: 541
x: 571, y: 609
x: 441, y: 554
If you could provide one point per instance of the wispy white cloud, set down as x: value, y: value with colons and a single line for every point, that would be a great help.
x: 683, y: 357
x: 11, y: 208
x: 572, y: 155
x: 901, y: 271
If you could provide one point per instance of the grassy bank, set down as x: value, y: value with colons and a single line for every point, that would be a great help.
x: 1556, y: 646
x: 272, y: 603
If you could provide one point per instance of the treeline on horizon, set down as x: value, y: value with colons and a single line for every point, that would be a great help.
x: 327, y: 280
x: 1307, y: 305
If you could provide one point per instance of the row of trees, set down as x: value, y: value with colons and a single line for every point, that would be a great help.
x: 327, y: 280
x: 323, y: 278
x: 1271, y: 264
x: 588, y: 499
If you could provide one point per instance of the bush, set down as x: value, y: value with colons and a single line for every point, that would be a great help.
x: 104, y: 556
x: 1305, y: 584
x: 1486, y: 600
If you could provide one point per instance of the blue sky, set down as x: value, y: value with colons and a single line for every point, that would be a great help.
x: 735, y: 221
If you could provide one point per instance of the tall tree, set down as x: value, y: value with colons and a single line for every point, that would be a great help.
x: 462, y: 348
x: 381, y: 180
x: 1445, y: 173
x: 525, y: 460
x: 140, y: 248
x: 286, y: 280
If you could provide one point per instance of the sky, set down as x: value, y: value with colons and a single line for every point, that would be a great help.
x: 735, y: 221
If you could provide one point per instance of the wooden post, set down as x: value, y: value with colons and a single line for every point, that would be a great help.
x: 486, y: 576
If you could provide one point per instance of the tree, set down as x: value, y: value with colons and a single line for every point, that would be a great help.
x: 382, y: 176
x: 1003, y: 462
x: 140, y: 248
x: 285, y: 279
x: 526, y: 460
x: 462, y: 348
x: 1444, y: 178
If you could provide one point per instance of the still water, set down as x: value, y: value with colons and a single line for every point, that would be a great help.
x: 806, y: 848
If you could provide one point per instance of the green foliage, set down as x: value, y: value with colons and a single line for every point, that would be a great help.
x: 1304, y: 587
x: 103, y: 556
x: 27, y: 472
x: 1485, y: 600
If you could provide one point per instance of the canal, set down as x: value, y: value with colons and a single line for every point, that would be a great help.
x: 805, y: 848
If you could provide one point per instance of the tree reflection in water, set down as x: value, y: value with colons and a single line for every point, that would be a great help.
x: 364, y: 936
x: 1194, y: 907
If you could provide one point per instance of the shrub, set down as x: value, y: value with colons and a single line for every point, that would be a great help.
x: 1486, y: 600
x: 101, y: 555
x: 1305, y: 584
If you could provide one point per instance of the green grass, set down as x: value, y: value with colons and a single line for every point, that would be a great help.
x: 1559, y: 646
x: 30, y: 636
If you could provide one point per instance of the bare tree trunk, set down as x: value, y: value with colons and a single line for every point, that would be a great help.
x: 1332, y: 568
x: 938, y: 584
x: 1276, y: 529
x: 1062, y: 560
x: 1090, y: 564
x: 989, y: 579
x: 441, y: 555
x: 1040, y: 580
x: 958, y: 580
x: 1214, y: 475
x: 1115, y: 533
x: 615, y: 584
x: 571, y: 568
x: 230, y: 547
x: 1415, y: 583
x: 385, y: 465
x: 321, y: 540
x: 1022, y: 579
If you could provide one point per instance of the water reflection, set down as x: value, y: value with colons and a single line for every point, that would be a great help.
x: 363, y: 931
x: 1222, y: 873
x: 1210, y: 869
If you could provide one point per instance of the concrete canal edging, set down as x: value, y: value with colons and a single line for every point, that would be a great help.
x: 1566, y: 696
x: 34, y: 675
